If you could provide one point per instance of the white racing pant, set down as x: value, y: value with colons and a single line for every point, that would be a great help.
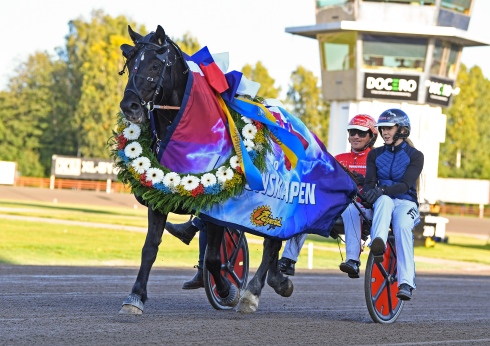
x: 293, y: 246
x: 352, y: 227
x: 403, y: 216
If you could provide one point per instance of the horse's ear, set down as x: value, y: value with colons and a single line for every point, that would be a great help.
x: 134, y: 35
x: 126, y: 50
x: 160, y: 36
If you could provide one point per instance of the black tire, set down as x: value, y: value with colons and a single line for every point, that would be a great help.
x: 234, y: 266
x: 381, y: 286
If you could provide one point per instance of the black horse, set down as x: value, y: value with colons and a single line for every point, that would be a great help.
x: 157, y: 80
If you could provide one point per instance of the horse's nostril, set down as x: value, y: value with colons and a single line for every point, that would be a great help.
x: 134, y: 106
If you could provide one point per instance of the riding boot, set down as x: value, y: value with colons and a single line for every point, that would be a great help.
x: 286, y: 266
x: 351, y: 267
x: 184, y: 231
x: 196, y: 282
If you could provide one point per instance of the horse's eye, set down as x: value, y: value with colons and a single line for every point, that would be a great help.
x: 156, y: 67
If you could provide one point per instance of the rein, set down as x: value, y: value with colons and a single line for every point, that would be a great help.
x: 166, y: 107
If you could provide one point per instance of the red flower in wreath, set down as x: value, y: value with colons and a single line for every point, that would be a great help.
x: 258, y: 125
x: 145, y: 182
x: 121, y: 142
x: 199, y: 190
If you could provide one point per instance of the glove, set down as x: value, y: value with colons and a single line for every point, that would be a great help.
x: 373, y: 195
x: 358, y: 177
x: 366, y: 205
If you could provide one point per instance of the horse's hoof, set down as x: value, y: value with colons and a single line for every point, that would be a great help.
x: 132, y: 305
x: 130, y: 310
x: 248, y: 304
x: 233, y: 297
x: 285, y: 289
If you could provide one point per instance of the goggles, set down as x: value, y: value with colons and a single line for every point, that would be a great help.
x: 360, y: 133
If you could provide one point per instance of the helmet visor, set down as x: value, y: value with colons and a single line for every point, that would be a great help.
x: 358, y: 127
x: 385, y: 124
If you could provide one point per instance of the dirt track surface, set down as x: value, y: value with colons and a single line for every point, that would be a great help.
x: 78, y: 306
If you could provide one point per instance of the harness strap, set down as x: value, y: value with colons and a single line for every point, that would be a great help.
x: 166, y: 107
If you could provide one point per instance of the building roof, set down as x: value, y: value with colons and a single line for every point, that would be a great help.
x: 451, y: 34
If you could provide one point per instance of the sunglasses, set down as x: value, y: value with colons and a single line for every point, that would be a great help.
x: 360, y: 133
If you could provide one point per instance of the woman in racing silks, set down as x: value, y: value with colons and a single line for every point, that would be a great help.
x: 390, y: 187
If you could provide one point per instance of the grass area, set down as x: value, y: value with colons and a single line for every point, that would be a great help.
x: 34, y: 243
x: 459, y: 248
x: 38, y: 243
x: 115, y: 216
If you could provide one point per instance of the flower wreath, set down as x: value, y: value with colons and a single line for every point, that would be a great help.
x: 165, y: 190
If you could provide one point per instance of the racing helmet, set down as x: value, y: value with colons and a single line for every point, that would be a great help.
x: 364, y: 122
x: 395, y: 116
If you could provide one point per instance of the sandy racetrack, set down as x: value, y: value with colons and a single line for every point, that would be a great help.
x: 78, y: 306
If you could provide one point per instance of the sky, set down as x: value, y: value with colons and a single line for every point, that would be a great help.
x: 251, y: 30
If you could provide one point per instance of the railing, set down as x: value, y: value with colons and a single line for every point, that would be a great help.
x: 445, y: 209
x: 71, y: 184
x: 464, y: 210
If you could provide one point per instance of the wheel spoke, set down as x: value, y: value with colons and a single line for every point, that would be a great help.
x: 230, y: 234
x: 225, y: 258
x: 235, y: 277
x: 382, y: 269
x: 380, y: 291
x: 388, y: 293
x: 237, y: 245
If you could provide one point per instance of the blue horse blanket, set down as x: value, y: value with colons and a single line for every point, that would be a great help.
x: 305, y: 199
x: 304, y: 196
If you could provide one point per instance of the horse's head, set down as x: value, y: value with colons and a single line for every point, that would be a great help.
x: 157, y: 75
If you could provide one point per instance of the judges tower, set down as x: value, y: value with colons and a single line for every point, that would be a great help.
x: 379, y: 54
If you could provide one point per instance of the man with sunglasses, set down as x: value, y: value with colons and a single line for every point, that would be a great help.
x: 362, y: 136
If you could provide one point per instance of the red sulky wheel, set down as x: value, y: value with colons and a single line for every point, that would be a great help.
x: 381, y: 286
x: 234, y: 265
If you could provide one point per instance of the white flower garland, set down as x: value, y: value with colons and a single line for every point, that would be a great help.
x: 152, y: 175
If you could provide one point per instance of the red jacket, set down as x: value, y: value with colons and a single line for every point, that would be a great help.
x: 354, y: 161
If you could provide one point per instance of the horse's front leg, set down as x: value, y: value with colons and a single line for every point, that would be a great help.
x: 249, y: 301
x: 280, y: 283
x: 135, y: 301
x: 228, y: 292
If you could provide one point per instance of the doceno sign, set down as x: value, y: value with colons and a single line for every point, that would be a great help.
x: 391, y: 86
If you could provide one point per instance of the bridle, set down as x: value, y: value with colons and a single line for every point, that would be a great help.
x: 162, y: 54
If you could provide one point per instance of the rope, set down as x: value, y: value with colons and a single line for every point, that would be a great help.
x: 340, y: 250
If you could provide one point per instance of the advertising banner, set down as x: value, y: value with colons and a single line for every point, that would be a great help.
x: 7, y: 172
x: 439, y: 91
x: 83, y: 168
x: 391, y: 86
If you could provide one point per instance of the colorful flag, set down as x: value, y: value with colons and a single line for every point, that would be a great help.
x: 305, y: 199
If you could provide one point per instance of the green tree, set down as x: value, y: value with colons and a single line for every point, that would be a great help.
x: 467, y: 129
x: 188, y: 43
x: 259, y: 74
x: 59, y: 135
x: 305, y: 97
x: 94, y: 59
x: 67, y: 105
x: 25, y: 108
